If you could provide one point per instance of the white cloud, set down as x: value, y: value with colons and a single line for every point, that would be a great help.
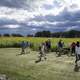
x: 18, y: 15
x: 38, y: 9
x: 11, y: 26
x: 34, y: 29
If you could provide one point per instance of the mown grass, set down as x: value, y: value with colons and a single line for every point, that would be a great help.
x: 23, y: 67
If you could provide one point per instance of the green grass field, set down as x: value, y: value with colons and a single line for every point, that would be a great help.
x: 13, y: 41
x: 34, y: 40
x: 23, y: 67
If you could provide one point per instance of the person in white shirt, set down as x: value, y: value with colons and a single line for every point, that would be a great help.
x: 77, y: 51
x: 42, y: 52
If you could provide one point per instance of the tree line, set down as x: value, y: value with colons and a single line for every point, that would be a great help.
x: 67, y: 34
x: 9, y: 35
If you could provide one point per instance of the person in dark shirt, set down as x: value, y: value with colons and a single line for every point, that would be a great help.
x: 48, y: 45
x: 60, y: 46
x: 23, y: 46
x: 73, y: 45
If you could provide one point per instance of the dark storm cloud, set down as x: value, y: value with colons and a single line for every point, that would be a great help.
x: 65, y: 15
x: 12, y: 3
x: 65, y: 20
x: 6, y: 21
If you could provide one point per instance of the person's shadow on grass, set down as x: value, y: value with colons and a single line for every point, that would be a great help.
x: 23, y: 53
x: 20, y: 54
x: 76, y: 68
x: 37, y: 61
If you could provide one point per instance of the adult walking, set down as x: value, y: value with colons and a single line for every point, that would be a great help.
x: 42, y: 53
x: 73, y: 45
x: 60, y: 46
x: 48, y: 45
x: 23, y: 46
x: 77, y: 51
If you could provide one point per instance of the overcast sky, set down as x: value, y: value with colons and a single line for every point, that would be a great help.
x: 30, y: 16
